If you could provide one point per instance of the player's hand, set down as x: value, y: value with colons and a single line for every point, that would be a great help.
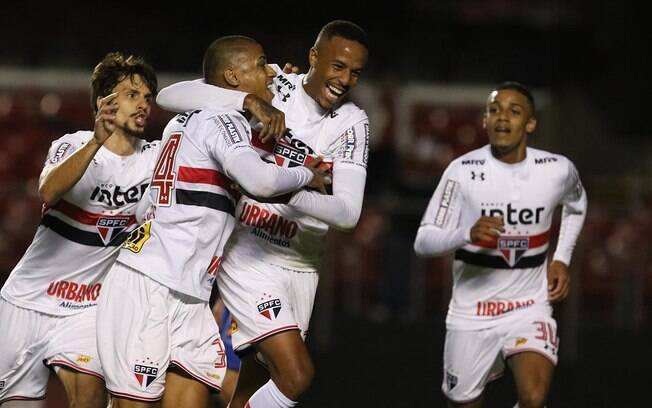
x: 290, y: 68
x: 105, y: 118
x: 487, y: 228
x: 319, y: 179
x: 273, y: 120
x: 558, y: 281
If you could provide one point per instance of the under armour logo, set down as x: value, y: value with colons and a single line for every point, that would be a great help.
x: 474, y: 175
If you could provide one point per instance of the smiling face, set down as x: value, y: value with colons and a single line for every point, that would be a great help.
x: 509, y: 119
x: 336, y: 64
x: 135, y: 104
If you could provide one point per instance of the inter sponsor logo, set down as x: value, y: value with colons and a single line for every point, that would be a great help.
x: 117, y: 196
x: 500, y: 307
x: 444, y: 204
x: 76, y: 292
x: 111, y: 227
x: 514, y: 216
x: 145, y: 374
x: 270, y: 308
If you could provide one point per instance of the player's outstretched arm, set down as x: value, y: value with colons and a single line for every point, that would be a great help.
x: 57, y: 179
x: 261, y: 179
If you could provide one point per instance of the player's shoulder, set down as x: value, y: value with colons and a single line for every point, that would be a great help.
x: 543, y: 158
x: 75, y: 138
x: 348, y: 114
x: 475, y: 158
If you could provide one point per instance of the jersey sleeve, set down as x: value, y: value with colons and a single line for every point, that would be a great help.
x: 61, y: 148
x: 351, y: 148
x: 341, y: 209
x: 574, y: 202
x: 440, y: 231
x: 232, y: 147
x: 190, y: 95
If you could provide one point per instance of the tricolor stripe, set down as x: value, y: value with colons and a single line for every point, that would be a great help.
x: 498, y: 262
x: 535, y: 241
x: 206, y: 176
x: 82, y: 216
x: 79, y: 236
x: 215, y: 201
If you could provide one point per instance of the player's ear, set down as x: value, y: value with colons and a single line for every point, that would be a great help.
x: 231, y: 77
x: 312, y: 57
x: 531, y: 124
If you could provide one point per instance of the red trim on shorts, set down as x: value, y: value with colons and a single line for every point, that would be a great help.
x: 201, y: 380
x: 275, y: 331
x: 22, y: 398
x: 76, y: 368
x: 134, y: 397
x: 508, y: 355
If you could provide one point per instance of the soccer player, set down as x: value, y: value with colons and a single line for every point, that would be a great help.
x: 157, y: 335
x: 493, y: 207
x: 268, y: 277
x: 91, y: 186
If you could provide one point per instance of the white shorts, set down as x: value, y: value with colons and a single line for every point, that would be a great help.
x: 145, y: 327
x: 265, y: 299
x: 32, y: 340
x: 472, y: 358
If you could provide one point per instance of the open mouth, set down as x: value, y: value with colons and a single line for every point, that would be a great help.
x: 335, y: 92
x: 140, y: 120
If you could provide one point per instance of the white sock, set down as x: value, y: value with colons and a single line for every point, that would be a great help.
x: 269, y: 396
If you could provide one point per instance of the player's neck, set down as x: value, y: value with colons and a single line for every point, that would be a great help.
x: 509, y: 155
x: 121, y: 144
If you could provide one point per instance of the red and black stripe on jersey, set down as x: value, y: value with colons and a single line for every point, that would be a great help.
x: 81, y: 216
x: 216, y: 201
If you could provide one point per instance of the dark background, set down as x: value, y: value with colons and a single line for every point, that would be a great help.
x: 377, y: 331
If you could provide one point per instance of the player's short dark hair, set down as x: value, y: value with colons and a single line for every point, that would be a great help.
x: 222, y: 53
x: 518, y: 87
x: 113, y: 69
x: 345, y: 29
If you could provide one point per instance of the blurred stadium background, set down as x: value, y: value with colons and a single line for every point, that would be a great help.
x: 377, y: 330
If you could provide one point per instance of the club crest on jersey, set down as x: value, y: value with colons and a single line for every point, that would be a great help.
x: 145, y: 373
x: 270, y: 308
x: 110, y: 227
x: 451, y: 380
x: 513, y: 248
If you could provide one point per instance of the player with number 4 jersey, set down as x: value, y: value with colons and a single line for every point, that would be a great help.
x: 157, y: 332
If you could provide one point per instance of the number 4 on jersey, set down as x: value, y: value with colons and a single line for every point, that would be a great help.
x: 164, y: 176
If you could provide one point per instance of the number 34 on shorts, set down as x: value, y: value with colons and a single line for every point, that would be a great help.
x: 138, y: 237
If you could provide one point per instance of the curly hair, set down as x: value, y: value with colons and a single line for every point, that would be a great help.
x: 113, y: 69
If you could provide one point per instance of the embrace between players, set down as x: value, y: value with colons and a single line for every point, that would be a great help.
x: 245, y: 204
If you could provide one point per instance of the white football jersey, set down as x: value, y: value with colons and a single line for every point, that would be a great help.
x: 193, y: 200
x: 279, y: 234
x: 78, y: 238
x: 493, y: 279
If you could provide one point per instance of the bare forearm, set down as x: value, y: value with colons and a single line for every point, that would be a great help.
x: 56, y: 180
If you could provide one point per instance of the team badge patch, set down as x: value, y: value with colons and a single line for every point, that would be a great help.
x: 145, y: 373
x: 270, y: 308
x: 110, y: 227
x: 137, y: 238
x: 513, y: 248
